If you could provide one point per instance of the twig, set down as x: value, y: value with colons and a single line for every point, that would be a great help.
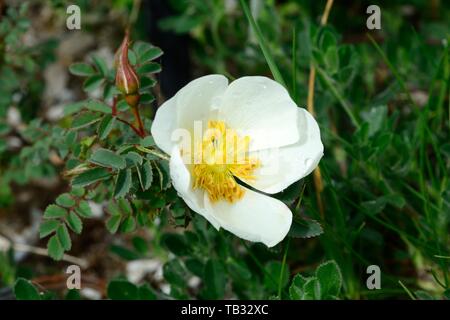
x: 43, y: 252
x: 58, y: 281
x: 310, y: 103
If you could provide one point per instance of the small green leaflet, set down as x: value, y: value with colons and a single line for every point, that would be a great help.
x: 95, y: 105
x: 47, y: 227
x: 65, y: 200
x: 75, y: 223
x: 105, y: 126
x: 90, y: 176
x: 123, y: 183
x: 92, y: 83
x: 107, y: 158
x: 113, y: 223
x: 84, y: 120
x: 151, y: 67
x: 25, y: 290
x: 82, y: 69
x: 64, y: 237
x: 145, y: 175
x: 54, y: 211
x: 55, y: 249
x: 305, y: 228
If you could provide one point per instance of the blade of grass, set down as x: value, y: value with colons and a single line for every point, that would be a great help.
x: 407, y: 290
x: 283, y: 266
x: 258, y: 263
x: 318, y: 184
x: 393, y: 70
x: 345, y: 105
x: 263, y: 44
x: 294, y: 64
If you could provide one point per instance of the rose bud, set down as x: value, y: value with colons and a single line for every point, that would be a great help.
x: 127, y: 80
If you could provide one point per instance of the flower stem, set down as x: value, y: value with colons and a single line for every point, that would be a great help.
x: 283, y: 267
x: 310, y: 103
x: 136, y: 130
x: 114, y: 107
x: 137, y: 116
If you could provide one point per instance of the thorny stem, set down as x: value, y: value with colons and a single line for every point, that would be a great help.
x: 139, y: 121
x: 310, y: 103
x: 136, y: 130
x: 140, y: 131
x: 43, y: 252
x: 114, y: 107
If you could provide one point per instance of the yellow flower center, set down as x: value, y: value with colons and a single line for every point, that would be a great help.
x: 220, y: 158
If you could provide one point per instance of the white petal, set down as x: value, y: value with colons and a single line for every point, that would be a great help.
x: 261, y: 108
x: 181, y: 181
x: 255, y: 217
x: 286, y: 165
x: 164, y: 124
x: 192, y: 102
x: 199, y: 98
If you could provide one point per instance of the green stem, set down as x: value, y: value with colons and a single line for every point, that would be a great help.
x: 134, y: 12
x: 345, y: 105
x: 255, y: 259
x: 294, y: 64
x: 262, y: 43
x: 393, y: 70
x: 407, y: 290
x: 283, y: 266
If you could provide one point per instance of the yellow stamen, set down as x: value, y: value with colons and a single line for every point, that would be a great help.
x: 221, y: 157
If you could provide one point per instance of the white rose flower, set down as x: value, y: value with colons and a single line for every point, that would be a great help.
x: 267, y: 142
